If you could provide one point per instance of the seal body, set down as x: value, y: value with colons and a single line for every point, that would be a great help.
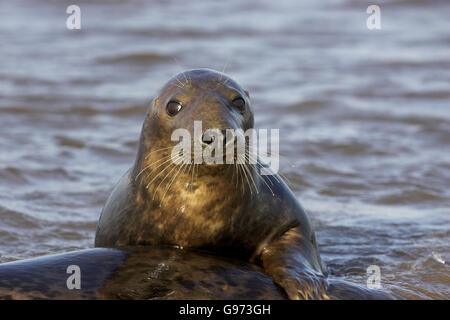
x: 135, y: 273
x: 150, y: 273
x: 228, y: 209
x: 224, y: 219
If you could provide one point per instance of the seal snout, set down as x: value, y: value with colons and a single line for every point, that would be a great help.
x: 226, y: 136
x: 208, y: 138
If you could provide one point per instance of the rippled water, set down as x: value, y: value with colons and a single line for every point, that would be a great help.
x: 363, y: 115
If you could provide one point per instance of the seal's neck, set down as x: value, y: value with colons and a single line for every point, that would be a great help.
x: 198, y: 183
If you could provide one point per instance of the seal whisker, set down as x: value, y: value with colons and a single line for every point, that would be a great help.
x: 179, y: 157
x: 189, y: 77
x: 238, y: 175
x: 160, y: 172
x: 178, y: 86
x: 235, y: 174
x: 285, y: 178
x: 242, y: 178
x: 290, y: 163
x: 263, y: 177
x: 192, y: 166
x: 264, y: 180
x: 173, y: 166
x: 185, y: 79
x: 246, y: 177
x: 172, y: 179
x: 184, y: 165
x: 148, y: 166
x: 157, y: 151
x: 242, y: 175
x: 249, y: 171
x: 167, y: 159
x: 262, y: 165
x: 225, y: 66
x: 258, y: 165
x: 176, y: 77
x: 165, y: 177
x: 270, y: 152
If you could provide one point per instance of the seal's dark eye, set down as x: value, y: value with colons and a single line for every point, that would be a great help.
x: 239, y: 103
x: 173, y: 108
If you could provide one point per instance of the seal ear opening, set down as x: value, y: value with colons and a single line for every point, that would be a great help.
x: 248, y: 94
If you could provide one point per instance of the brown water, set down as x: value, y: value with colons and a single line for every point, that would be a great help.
x: 363, y: 115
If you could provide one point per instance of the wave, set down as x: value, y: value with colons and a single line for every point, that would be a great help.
x: 83, y: 110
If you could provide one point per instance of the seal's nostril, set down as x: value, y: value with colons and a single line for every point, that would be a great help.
x: 224, y: 136
x: 208, y: 139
